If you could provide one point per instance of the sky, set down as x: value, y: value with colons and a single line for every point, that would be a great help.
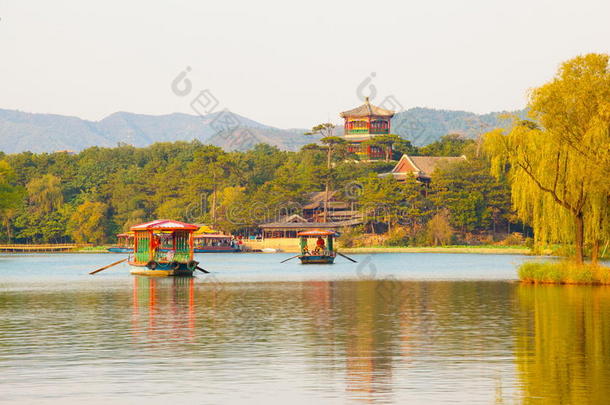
x: 283, y: 63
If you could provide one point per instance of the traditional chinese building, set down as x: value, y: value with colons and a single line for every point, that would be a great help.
x: 364, y: 123
x: 421, y: 167
x: 341, y: 214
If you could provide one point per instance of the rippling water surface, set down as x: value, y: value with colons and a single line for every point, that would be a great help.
x: 395, y: 328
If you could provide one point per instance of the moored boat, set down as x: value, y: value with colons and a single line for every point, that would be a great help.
x: 118, y: 249
x: 124, y: 243
x: 215, y: 243
x: 163, y: 248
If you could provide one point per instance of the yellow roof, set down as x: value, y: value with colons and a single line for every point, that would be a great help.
x: 205, y: 229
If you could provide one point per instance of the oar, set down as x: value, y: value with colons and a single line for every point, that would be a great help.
x: 290, y: 258
x: 107, y: 267
x: 201, y: 269
x: 348, y: 258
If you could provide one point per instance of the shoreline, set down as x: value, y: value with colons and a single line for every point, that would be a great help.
x: 362, y: 250
x: 440, y: 249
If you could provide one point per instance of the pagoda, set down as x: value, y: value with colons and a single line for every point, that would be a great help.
x: 364, y: 123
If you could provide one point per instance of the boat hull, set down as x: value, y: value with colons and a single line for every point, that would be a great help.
x: 120, y: 250
x: 317, y: 259
x: 162, y: 270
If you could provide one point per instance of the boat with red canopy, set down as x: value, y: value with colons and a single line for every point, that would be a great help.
x: 322, y: 252
x: 163, y: 248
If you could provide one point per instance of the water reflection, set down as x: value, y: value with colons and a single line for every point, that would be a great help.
x: 563, y: 344
x: 368, y: 341
x: 163, y: 309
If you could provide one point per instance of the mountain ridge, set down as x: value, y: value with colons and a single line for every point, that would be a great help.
x: 40, y: 132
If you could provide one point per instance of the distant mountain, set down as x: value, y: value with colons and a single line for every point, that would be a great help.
x: 21, y: 131
x: 424, y: 125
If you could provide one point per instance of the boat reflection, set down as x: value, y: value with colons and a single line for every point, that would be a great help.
x: 163, y: 309
x: 385, y: 338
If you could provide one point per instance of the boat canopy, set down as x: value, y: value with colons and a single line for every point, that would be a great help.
x: 318, y: 232
x: 203, y: 229
x: 164, y: 225
x: 125, y: 235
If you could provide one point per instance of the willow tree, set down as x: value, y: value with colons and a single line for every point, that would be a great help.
x: 575, y: 108
x: 88, y: 222
x: 558, y: 172
x: 45, y: 194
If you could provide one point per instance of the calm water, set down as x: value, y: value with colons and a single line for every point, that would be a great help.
x: 395, y: 328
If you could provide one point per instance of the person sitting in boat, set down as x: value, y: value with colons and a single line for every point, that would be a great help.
x: 320, y: 245
x: 156, y: 242
x: 303, y: 245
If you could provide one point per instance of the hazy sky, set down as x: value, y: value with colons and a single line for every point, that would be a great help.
x: 285, y: 63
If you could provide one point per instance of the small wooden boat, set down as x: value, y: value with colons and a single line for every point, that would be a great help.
x: 124, y: 243
x: 163, y: 248
x: 317, y: 259
x: 215, y: 243
x: 323, y: 252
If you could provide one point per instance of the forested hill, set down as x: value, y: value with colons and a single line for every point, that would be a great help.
x: 21, y: 131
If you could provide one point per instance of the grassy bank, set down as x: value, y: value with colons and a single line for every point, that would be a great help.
x: 563, y: 272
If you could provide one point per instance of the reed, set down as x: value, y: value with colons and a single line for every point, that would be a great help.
x: 564, y: 272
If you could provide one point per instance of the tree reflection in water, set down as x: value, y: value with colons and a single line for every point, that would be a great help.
x: 563, y: 344
x: 367, y: 340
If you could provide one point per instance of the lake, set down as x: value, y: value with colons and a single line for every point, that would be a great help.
x: 411, y: 328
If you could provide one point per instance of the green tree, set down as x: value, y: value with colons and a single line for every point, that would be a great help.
x: 558, y: 174
x: 333, y: 144
x: 438, y: 229
x: 11, y: 197
x: 415, y: 205
x: 475, y: 200
x: 385, y: 143
x: 404, y: 147
x: 382, y: 198
x: 448, y: 145
x: 88, y: 223
x: 232, y: 209
x: 45, y: 194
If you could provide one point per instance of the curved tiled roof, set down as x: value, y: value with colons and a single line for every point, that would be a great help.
x: 367, y: 109
x: 309, y: 225
x: 164, y: 224
x: 423, y: 165
x: 317, y: 232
